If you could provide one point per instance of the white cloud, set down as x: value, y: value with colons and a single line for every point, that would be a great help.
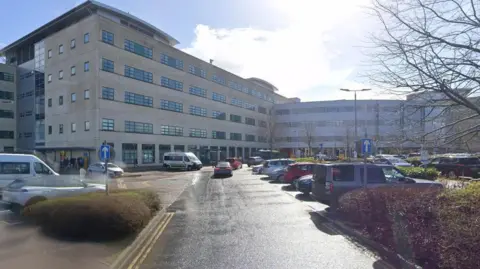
x: 312, y: 57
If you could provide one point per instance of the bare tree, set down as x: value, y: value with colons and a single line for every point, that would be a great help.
x: 430, y: 47
x: 309, y: 128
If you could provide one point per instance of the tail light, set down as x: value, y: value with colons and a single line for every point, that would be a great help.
x: 216, y: 169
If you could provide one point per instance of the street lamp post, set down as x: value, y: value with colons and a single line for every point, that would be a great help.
x: 355, y: 109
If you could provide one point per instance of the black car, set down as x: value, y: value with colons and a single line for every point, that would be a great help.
x: 456, y: 165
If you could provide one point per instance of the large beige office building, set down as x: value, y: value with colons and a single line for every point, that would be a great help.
x: 109, y: 76
x: 8, y: 123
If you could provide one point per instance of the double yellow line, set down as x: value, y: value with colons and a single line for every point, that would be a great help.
x: 147, y: 248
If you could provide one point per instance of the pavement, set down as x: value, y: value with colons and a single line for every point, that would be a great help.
x: 247, y: 222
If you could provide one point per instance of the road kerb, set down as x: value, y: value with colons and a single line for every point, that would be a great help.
x: 124, y: 259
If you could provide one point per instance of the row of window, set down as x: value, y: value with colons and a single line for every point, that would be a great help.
x: 73, y: 98
x: 7, y: 77
x: 170, y: 130
x: 337, y: 138
x: 4, y: 95
x: 7, y: 134
x: 73, y: 71
x: 143, y: 100
x: 73, y: 127
x: 73, y: 44
x: 339, y: 123
x: 131, y: 46
x: 337, y: 109
x: 6, y: 114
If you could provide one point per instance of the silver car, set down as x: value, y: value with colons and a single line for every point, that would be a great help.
x: 99, y: 169
x: 270, y: 166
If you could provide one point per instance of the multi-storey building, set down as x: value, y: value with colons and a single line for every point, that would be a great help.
x: 331, y: 124
x: 100, y: 74
x: 8, y: 116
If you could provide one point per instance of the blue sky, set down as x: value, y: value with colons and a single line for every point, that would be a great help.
x: 307, y: 48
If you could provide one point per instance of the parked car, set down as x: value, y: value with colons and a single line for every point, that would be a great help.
x: 392, y: 161
x: 304, y: 184
x: 454, y: 166
x: 297, y: 170
x: 234, y: 163
x: 271, y: 165
x: 222, y: 169
x: 99, y: 169
x: 277, y: 174
x: 254, y: 161
x: 25, y: 192
x: 257, y: 169
x: 331, y: 181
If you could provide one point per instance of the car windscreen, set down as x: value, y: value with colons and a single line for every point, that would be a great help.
x: 173, y: 158
x: 192, y: 157
x: 395, y: 160
x: 223, y: 165
x: 111, y: 165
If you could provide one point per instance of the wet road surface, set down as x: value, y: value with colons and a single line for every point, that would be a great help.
x: 246, y: 222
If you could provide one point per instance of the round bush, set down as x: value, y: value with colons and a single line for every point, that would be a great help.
x: 91, y: 217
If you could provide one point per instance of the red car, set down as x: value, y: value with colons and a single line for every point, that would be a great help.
x: 234, y: 163
x: 297, y: 170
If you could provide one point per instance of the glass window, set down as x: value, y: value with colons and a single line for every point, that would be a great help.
x: 171, y: 61
x: 60, y: 100
x: 129, y: 153
x: 50, y: 129
x: 235, y: 136
x: 60, y: 74
x: 219, y: 80
x: 148, y: 153
x: 250, y: 138
x: 86, y: 94
x: 171, y: 130
x: 14, y: 168
x: 60, y: 49
x: 138, y: 127
x: 198, y: 91
x: 198, y: 111
x: 49, y: 54
x: 374, y: 175
x: 7, y: 76
x: 235, y: 118
x: 343, y: 173
x: 250, y: 121
x: 72, y: 70
x: 249, y: 106
x: 219, y: 115
x: 138, y: 49
x: 86, y: 38
x: 108, y: 65
x: 108, y: 125
x: 237, y: 102
x: 40, y: 168
x: 195, y: 132
x: 49, y: 78
x: 87, y: 126
x: 74, y: 127
x: 391, y: 174
x: 108, y: 93
x: 219, y: 97
x: 219, y: 135
x: 73, y: 97
x: 138, y: 74
x: 170, y: 105
x: 138, y: 99
x: 107, y: 37
x: 262, y: 110
x: 171, y: 83
x: 60, y: 128
x: 72, y: 44
x: 197, y: 71
x: 86, y: 66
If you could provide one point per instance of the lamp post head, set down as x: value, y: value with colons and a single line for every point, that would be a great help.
x: 345, y: 90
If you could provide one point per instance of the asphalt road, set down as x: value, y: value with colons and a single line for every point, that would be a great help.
x: 246, y: 222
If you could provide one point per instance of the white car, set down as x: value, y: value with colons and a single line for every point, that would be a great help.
x: 25, y: 192
x: 99, y: 168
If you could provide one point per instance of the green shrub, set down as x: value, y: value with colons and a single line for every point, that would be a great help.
x: 415, y: 161
x: 95, y: 216
x: 420, y: 173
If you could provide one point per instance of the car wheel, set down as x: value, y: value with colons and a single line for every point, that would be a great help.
x: 248, y: 165
x: 306, y: 193
x: 280, y: 179
x: 189, y: 168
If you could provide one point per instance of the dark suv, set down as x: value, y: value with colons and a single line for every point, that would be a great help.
x: 456, y: 166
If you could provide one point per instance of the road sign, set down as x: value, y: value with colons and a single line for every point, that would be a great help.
x: 367, y: 146
x: 104, y: 152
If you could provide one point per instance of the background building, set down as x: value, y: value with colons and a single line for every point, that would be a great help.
x: 8, y: 125
x: 99, y: 74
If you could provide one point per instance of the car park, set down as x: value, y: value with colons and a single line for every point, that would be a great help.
x: 222, y: 169
x: 235, y: 163
x: 254, y: 161
x: 99, y: 169
x: 331, y: 181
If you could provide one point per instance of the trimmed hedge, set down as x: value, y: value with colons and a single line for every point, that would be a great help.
x: 436, y: 228
x: 95, y: 216
x: 421, y: 173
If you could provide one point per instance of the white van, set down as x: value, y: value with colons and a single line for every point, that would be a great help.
x: 181, y: 160
x: 22, y: 166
